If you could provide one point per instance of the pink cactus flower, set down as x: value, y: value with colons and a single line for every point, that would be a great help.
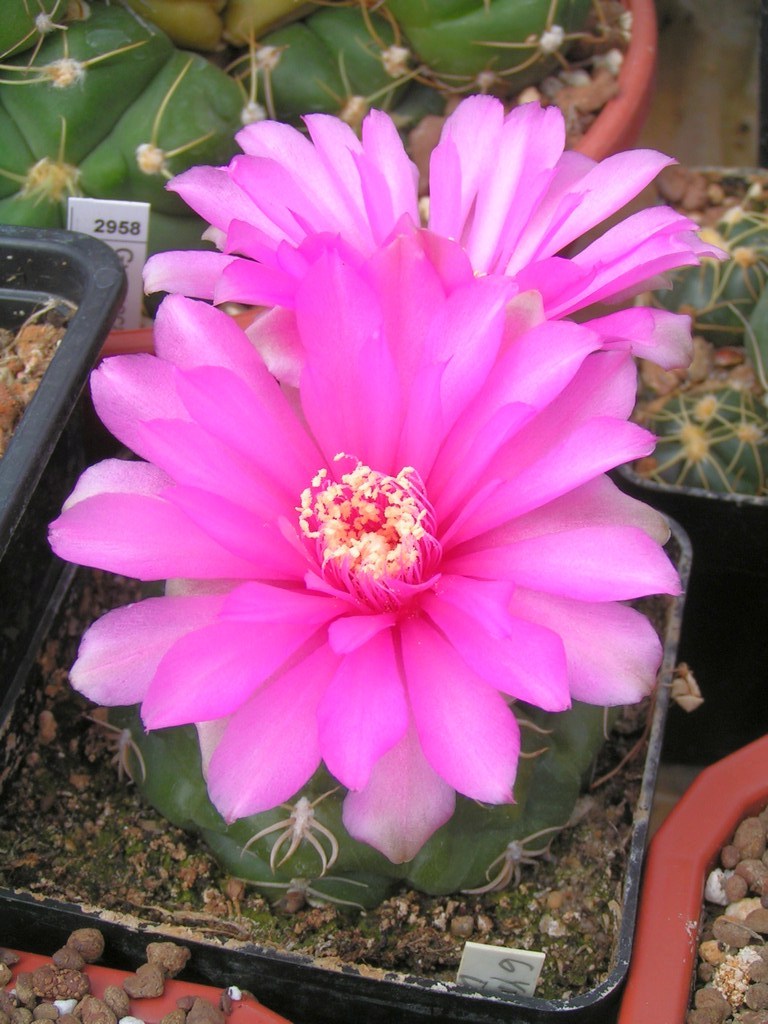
x: 371, y: 562
x: 501, y: 185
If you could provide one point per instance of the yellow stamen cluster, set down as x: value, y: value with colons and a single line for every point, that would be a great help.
x: 367, y: 523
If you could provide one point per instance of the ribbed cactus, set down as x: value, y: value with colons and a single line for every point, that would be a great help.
x: 306, y: 844
x: 353, y: 55
x: 109, y: 108
x: 712, y: 426
x: 721, y: 296
x: 25, y: 23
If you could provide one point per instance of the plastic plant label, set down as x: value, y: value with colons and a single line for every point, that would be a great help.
x: 124, y: 226
x: 498, y: 970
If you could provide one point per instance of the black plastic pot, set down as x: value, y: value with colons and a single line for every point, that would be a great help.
x: 724, y: 637
x: 310, y: 994
x: 46, y: 453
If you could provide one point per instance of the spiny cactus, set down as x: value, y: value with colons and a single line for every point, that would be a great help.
x: 111, y: 109
x: 721, y: 296
x: 359, y: 53
x: 305, y: 842
x: 712, y: 421
x: 25, y: 23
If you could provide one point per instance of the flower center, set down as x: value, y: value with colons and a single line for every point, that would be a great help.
x: 373, y: 533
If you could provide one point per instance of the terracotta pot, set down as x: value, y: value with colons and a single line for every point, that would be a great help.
x: 617, y: 127
x: 681, y: 853
x: 244, y: 1011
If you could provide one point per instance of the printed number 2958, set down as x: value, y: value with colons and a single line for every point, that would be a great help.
x: 116, y: 227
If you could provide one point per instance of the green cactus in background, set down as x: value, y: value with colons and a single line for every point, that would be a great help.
x: 111, y: 109
x: 712, y: 425
x: 721, y: 296
x: 25, y: 23
x: 306, y: 844
x: 346, y: 57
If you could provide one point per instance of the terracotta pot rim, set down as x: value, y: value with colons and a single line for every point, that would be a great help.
x: 681, y: 853
x: 247, y: 1010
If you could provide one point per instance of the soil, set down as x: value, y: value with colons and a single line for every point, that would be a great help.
x: 65, y: 795
x: 732, y: 975
x: 24, y: 357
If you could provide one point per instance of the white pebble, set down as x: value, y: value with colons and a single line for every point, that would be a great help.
x: 713, y: 889
x: 131, y: 1020
x: 65, y: 1005
x: 235, y: 993
x: 741, y: 909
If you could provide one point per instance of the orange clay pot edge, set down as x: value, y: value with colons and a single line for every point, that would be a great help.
x: 618, y: 125
x: 244, y: 1011
x: 683, y: 850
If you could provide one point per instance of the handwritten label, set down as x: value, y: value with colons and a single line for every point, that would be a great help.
x: 497, y: 970
x: 124, y: 226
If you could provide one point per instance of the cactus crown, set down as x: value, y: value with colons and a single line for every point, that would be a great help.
x: 712, y: 421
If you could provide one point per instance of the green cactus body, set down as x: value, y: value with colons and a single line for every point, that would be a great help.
x: 333, y: 62
x: 708, y: 438
x: 306, y: 841
x: 111, y: 109
x: 191, y: 24
x: 26, y: 22
x: 721, y: 296
x: 502, y: 45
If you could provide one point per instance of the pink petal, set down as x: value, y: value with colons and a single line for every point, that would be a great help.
x: 276, y: 338
x: 134, y: 531
x: 255, y: 541
x: 467, y: 732
x: 129, y: 389
x: 254, y: 419
x: 349, y: 387
x: 654, y: 334
x: 528, y: 663
x: 613, y: 651
x: 594, y: 563
x: 384, y: 153
x: 254, y: 284
x: 269, y: 747
x: 352, y: 631
x: 120, y: 652
x: 604, y: 189
x: 188, y: 272
x: 211, y: 193
x: 404, y: 803
x: 191, y: 334
x: 213, y: 671
x: 262, y: 602
x: 363, y: 712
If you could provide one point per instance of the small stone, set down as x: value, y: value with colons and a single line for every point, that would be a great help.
x: 147, y: 983
x: 176, y: 1016
x: 714, y: 1001
x: 729, y: 856
x: 25, y: 990
x: 758, y: 970
x: 50, y: 982
x: 754, y: 872
x: 7, y: 956
x: 704, y: 1015
x: 68, y: 1018
x: 711, y: 952
x: 732, y: 933
x: 462, y: 926
x: 89, y: 943
x: 741, y: 909
x: 705, y: 972
x: 185, y: 1003
x: 5, y: 974
x: 69, y: 957
x: 117, y: 1000
x: 749, y: 839
x: 5, y: 1018
x: 45, y: 1011
x: 756, y: 997
x: 168, y: 956
x: 735, y: 887
x: 714, y: 887
x: 753, y: 1017
x: 21, y: 1015
x: 757, y: 920
x: 203, y: 1012
x: 96, y: 1011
